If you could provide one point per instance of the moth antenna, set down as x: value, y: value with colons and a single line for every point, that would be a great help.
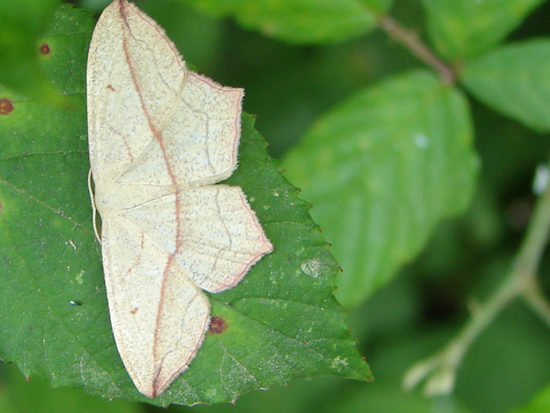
x: 94, y: 209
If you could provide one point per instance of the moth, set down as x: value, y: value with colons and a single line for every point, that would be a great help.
x: 160, y: 138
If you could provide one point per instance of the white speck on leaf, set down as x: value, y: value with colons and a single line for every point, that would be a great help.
x: 421, y: 140
x: 339, y: 362
x: 80, y: 277
x: 314, y: 268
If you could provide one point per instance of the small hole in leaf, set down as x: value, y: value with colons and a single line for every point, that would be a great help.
x: 45, y: 49
x: 217, y: 325
x: 6, y: 106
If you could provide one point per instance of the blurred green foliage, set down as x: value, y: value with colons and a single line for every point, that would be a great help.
x: 22, y: 23
x: 300, y: 85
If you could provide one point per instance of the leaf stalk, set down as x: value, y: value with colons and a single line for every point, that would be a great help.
x: 439, y: 370
x: 410, y: 40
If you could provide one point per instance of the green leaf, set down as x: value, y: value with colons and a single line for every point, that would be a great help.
x: 283, y: 321
x: 539, y: 404
x: 382, y: 169
x: 514, y: 80
x: 22, y: 23
x: 301, y: 21
x: 465, y: 28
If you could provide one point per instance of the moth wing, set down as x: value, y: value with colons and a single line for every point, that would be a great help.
x: 147, y: 110
x: 221, y: 237
x: 158, y: 315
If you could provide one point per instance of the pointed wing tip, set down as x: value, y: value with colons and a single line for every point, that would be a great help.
x: 149, y: 392
x: 158, y: 388
x: 149, y: 388
x: 155, y: 387
x: 156, y: 384
x: 268, y: 247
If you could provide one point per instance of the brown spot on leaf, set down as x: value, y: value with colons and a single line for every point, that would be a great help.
x: 110, y: 88
x: 6, y: 106
x: 45, y: 49
x: 217, y: 325
x: 134, y: 310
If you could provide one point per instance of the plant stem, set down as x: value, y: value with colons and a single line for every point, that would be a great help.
x: 535, y: 240
x: 481, y: 318
x: 410, y: 40
x: 520, y: 281
x: 535, y: 299
x: 530, y: 255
